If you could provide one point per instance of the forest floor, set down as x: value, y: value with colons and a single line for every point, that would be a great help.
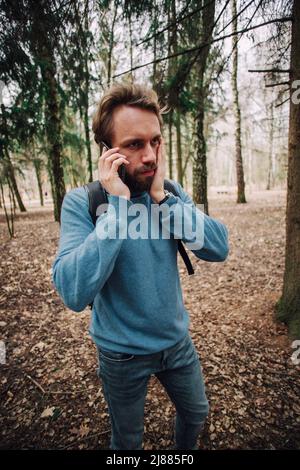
x: 50, y: 394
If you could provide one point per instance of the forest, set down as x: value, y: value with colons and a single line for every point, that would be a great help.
x: 227, y: 75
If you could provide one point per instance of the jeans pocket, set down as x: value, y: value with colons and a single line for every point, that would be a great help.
x: 115, y: 356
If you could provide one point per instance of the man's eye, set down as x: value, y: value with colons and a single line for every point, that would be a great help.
x: 134, y: 145
x: 156, y: 141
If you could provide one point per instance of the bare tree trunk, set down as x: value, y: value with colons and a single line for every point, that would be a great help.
x: 171, y: 112
x: 154, y: 44
x: 86, y: 94
x: 179, y: 149
x: 43, y: 50
x: 188, y: 155
x: 288, y: 307
x: 199, y: 160
x: 170, y: 125
x: 12, y: 199
x: 9, y: 166
x: 130, y: 44
x: 15, y: 190
x: 111, y: 45
x: 241, y: 198
x: 9, y: 218
x: 37, y: 167
x: 270, y: 181
x: 174, y: 47
x: 53, y: 130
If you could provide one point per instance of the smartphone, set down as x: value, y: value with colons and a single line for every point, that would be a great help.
x: 121, y: 169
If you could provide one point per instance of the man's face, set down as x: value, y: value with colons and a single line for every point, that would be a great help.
x: 137, y: 134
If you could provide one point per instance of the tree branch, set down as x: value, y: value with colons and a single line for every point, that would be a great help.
x: 277, y: 84
x: 197, y: 48
x: 236, y: 44
x: 270, y: 70
x: 280, y: 104
x: 173, y: 23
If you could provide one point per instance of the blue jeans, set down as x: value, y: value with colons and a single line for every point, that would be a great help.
x: 125, y: 378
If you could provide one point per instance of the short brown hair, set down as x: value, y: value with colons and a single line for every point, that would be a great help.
x: 127, y: 94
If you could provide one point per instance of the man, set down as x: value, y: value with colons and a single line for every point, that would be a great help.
x: 139, y: 322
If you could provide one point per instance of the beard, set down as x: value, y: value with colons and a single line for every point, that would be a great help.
x: 137, y: 183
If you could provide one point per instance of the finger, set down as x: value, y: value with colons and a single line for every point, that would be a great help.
x: 116, y: 163
x: 106, y: 153
x: 114, y: 156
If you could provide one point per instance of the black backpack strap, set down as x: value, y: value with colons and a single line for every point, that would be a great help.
x: 97, y: 196
x: 169, y: 186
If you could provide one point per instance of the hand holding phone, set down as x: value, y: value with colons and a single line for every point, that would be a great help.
x: 121, y: 169
x: 111, y: 170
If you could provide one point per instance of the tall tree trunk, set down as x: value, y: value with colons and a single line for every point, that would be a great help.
x: 83, y: 102
x: 43, y: 49
x: 174, y: 49
x: 199, y: 160
x: 9, y: 166
x: 13, y: 181
x: 86, y: 93
x: 170, y: 125
x: 9, y: 218
x: 154, y: 43
x: 179, y: 148
x: 111, y: 45
x: 270, y: 181
x: 53, y: 129
x: 37, y: 167
x: 288, y: 307
x: 241, y: 198
x: 170, y: 115
x: 190, y: 133
x: 130, y: 43
x: 87, y: 136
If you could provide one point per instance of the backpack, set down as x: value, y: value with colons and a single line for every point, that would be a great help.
x: 97, y: 196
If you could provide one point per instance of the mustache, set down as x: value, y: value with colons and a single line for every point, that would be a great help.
x: 149, y: 168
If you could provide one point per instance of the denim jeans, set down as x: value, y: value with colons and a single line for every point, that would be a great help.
x: 125, y: 378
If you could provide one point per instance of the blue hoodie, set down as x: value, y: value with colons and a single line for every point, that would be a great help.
x: 133, y: 282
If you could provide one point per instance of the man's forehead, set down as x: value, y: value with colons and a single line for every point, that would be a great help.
x: 135, y: 123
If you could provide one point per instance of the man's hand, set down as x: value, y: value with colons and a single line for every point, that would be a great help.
x: 157, y: 188
x: 108, y: 165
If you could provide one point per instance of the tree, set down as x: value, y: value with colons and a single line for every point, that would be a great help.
x: 43, y: 46
x: 111, y: 43
x: 288, y: 307
x: 199, y: 160
x: 271, y: 175
x: 5, y: 157
x: 29, y: 59
x: 237, y: 111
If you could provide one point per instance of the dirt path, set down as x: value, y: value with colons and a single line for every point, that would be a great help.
x: 50, y: 394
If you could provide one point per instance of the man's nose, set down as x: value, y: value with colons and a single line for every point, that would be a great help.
x: 148, y: 154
